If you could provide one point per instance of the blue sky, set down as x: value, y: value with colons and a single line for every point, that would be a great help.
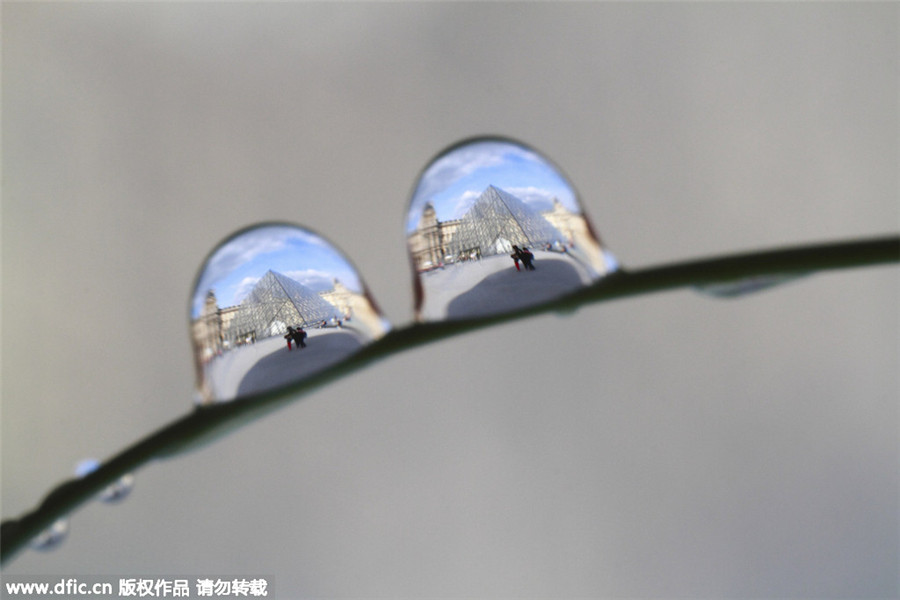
x: 239, y: 262
x: 455, y: 179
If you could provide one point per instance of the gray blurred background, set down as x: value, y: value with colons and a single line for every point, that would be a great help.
x: 671, y: 445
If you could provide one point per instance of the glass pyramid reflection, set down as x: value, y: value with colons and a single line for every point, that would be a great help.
x: 497, y: 221
x: 274, y: 303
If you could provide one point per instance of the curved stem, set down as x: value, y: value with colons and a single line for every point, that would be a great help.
x: 206, y: 423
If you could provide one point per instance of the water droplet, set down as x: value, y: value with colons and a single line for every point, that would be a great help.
x: 749, y: 285
x: 272, y: 305
x: 86, y: 466
x: 494, y: 227
x: 116, y: 491
x: 51, y: 537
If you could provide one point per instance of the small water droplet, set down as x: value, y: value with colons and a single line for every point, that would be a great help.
x: 119, y: 489
x: 86, y: 466
x: 494, y: 227
x: 272, y: 305
x: 749, y: 285
x: 113, y: 493
x: 52, y: 537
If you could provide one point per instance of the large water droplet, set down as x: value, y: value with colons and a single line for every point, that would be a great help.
x: 494, y: 227
x: 272, y: 305
x: 113, y: 493
x: 51, y: 537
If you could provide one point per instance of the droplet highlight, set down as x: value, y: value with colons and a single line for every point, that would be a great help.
x: 52, y: 537
x: 272, y: 305
x: 494, y: 227
x: 113, y: 493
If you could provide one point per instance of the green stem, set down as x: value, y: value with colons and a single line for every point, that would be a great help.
x: 207, y: 423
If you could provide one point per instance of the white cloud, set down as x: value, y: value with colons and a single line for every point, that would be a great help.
x: 312, y: 278
x: 243, y: 288
x: 537, y: 198
x: 465, y: 202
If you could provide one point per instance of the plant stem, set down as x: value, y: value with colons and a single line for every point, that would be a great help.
x: 207, y: 423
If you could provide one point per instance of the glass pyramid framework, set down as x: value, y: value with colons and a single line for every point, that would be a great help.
x: 497, y: 221
x: 274, y: 303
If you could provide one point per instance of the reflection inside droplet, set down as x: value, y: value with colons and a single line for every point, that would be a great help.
x: 749, y: 285
x: 116, y: 491
x: 51, y: 537
x: 494, y: 227
x: 272, y: 305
